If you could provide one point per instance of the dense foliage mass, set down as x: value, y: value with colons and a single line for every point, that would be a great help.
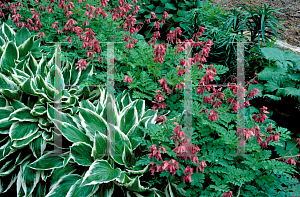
x: 152, y: 154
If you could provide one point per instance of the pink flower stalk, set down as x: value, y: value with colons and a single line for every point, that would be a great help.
x: 227, y: 194
x: 69, y: 39
x: 156, y: 25
x: 180, y: 86
x: 166, y: 15
x: 127, y: 79
x: 153, y: 16
x: 81, y: 64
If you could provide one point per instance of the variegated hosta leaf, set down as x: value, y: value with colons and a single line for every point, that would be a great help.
x: 28, y: 178
x: 8, y: 57
x: 47, y: 136
x: 63, y: 185
x: 100, y: 172
x: 99, y: 146
x: 19, y: 76
x: 57, y: 173
x: 128, y: 118
x: 23, y: 115
x: 135, y: 185
x: 38, y: 110
x: 22, y: 36
x: 71, y: 132
x: 87, y: 105
x: 117, y: 143
x: 7, y: 181
x: 33, y: 65
x: 92, y: 122
x: 25, y: 47
x: 38, y: 146
x: 18, y: 144
x: 105, y: 190
x: 86, y: 191
x: 5, y: 111
x: 124, y: 178
x: 3, y: 101
x: 7, y: 168
x: 47, y: 162
x: 53, y: 113
x: 22, y: 130
x: 140, y: 171
x: 81, y: 153
x: 17, y: 104
x: 8, y: 32
x: 8, y: 87
x: 128, y: 157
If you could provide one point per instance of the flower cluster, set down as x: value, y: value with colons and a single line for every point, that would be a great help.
x: 159, y: 97
x: 184, y: 150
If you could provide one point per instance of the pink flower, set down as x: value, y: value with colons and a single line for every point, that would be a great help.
x: 166, y: 15
x: 127, y: 79
x: 181, y: 85
x: 227, y: 194
x: 81, y: 64
x: 69, y: 39
x: 153, y: 16
x: 187, y: 178
x: 156, y: 25
x: 86, y: 23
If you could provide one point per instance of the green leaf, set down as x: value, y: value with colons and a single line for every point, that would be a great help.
x: 87, y: 190
x: 63, y: 185
x: 99, y: 147
x: 8, y: 57
x: 8, y: 32
x: 23, y: 115
x: 92, y: 122
x: 100, y: 172
x: 128, y: 157
x: 47, y: 162
x: 25, y: 47
x: 22, y: 130
x: 18, y: 144
x: 159, y: 9
x: 273, y: 53
x: 81, y: 152
x: 71, y: 132
x: 37, y: 147
x: 22, y: 36
x: 170, y: 6
x: 38, y: 110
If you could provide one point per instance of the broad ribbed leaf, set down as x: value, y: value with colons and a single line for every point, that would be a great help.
x: 47, y: 162
x: 272, y: 53
x: 23, y: 115
x: 105, y: 190
x: 37, y: 147
x: 99, y: 147
x: 5, y: 111
x: 30, y: 178
x: 100, y: 172
x: 86, y: 191
x: 7, y: 168
x: 128, y: 157
x: 142, y: 171
x: 81, y: 152
x: 7, y: 84
x: 18, y: 144
x: 22, y: 130
x: 8, y: 57
x: 8, y: 32
x: 25, y: 47
x: 62, y: 187
x: 22, y: 35
x: 118, y: 143
x: 34, y: 66
x: 87, y: 105
x: 5, y: 126
x: 3, y: 101
x: 129, y: 118
x: 135, y: 185
x: 19, y: 76
x: 38, y: 110
x: 57, y: 173
x: 92, y: 122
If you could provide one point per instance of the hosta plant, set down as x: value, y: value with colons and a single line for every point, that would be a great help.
x: 102, y: 170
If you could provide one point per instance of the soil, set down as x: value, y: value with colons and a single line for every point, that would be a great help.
x: 291, y: 13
